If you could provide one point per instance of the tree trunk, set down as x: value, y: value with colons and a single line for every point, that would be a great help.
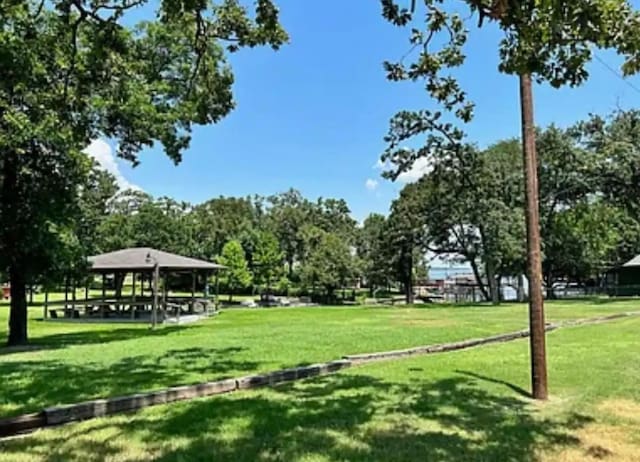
x: 10, y: 203
x: 408, y: 289
x: 520, y: 291
x: 549, y: 282
x: 408, y: 277
x: 493, y: 284
x: 18, y: 311
x: 290, y: 265
x: 534, y: 260
x: 476, y: 274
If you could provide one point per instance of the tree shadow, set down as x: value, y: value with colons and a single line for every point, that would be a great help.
x: 511, y: 386
x: 337, y: 418
x: 29, y: 386
x: 594, y: 300
x: 103, y: 334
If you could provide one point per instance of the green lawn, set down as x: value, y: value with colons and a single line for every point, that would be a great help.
x: 74, y: 362
x: 461, y: 406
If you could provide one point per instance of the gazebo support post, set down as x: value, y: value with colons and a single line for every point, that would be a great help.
x: 217, y: 302
x: 154, y: 307
x: 86, y: 297
x: 104, y: 294
x: 66, y: 294
x: 193, y: 291
x: 133, y: 287
x: 133, y: 296
x: 73, y: 298
x: 46, y: 302
x: 165, y: 294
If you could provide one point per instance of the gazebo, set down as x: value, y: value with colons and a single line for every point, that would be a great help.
x: 145, y: 265
x: 624, y: 280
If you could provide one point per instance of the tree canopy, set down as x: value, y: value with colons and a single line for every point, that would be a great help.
x: 75, y: 70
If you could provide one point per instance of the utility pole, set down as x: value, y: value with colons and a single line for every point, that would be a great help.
x: 534, y: 262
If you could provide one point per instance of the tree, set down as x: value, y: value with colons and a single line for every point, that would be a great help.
x: 218, y: 220
x: 470, y: 207
x: 74, y: 70
x: 334, y: 216
x: 236, y: 275
x: 267, y: 259
x: 614, y: 141
x: 94, y: 197
x: 550, y: 40
x: 136, y: 219
x: 583, y: 242
x: 329, y: 264
x: 288, y: 213
x: 372, y: 251
x: 406, y: 237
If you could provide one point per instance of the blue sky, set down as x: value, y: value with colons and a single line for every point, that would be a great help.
x: 313, y: 115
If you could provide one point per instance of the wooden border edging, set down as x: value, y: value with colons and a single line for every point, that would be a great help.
x: 22, y: 423
x: 439, y: 348
x: 444, y: 347
x: 58, y: 415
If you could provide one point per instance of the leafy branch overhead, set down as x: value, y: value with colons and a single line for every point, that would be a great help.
x: 139, y: 84
x: 551, y: 39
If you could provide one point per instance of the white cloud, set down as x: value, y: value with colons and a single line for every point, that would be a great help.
x: 371, y: 184
x: 419, y: 168
x: 102, y: 152
x: 380, y: 165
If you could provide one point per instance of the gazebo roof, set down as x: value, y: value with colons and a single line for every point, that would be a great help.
x: 145, y: 258
x: 635, y: 261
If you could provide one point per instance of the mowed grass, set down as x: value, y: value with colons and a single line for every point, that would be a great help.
x: 71, y: 362
x: 461, y: 406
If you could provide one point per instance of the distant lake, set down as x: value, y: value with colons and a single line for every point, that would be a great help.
x: 445, y: 272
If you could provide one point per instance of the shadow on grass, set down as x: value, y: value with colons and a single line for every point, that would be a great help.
x: 29, y: 386
x: 591, y: 300
x: 338, y: 418
x: 94, y: 334
x: 515, y: 388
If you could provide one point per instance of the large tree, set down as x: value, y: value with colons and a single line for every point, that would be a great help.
x: 236, y: 275
x: 329, y: 264
x: 74, y: 70
x: 549, y: 40
x: 267, y: 263
x: 372, y: 250
x: 94, y: 198
x: 470, y: 207
x: 218, y: 220
x: 405, y: 233
x: 288, y: 213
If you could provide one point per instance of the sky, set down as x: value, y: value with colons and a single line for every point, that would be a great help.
x: 312, y: 116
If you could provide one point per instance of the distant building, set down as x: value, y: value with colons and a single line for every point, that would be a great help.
x: 625, y: 280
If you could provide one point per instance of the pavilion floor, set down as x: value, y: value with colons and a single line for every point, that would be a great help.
x: 172, y: 310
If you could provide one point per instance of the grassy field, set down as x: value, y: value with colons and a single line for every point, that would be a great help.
x: 70, y: 362
x: 463, y: 406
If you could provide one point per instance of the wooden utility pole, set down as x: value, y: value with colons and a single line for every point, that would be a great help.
x: 534, y: 262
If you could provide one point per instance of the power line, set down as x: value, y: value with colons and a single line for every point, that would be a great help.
x: 616, y: 73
